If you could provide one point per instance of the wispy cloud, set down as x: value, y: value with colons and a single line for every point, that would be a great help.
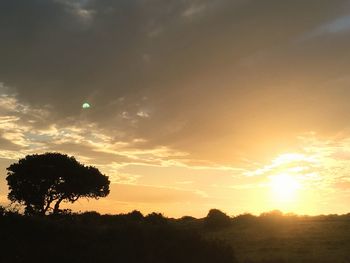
x: 193, y: 10
x: 321, y: 165
x: 335, y: 26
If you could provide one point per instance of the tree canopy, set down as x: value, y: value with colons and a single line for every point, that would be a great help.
x: 41, y: 182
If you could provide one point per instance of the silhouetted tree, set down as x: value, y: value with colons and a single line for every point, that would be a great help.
x: 42, y: 182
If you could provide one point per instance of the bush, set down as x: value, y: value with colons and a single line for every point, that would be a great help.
x: 2, y: 210
x: 135, y: 216
x: 68, y: 239
x: 217, y: 219
x: 245, y: 219
x: 156, y: 218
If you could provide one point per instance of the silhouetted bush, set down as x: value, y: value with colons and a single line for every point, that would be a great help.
x: 272, y: 214
x: 245, y: 219
x: 273, y: 217
x: 156, y: 218
x: 67, y: 239
x: 92, y: 214
x: 135, y: 216
x: 10, y: 210
x: 2, y: 210
x: 217, y: 219
x: 188, y: 218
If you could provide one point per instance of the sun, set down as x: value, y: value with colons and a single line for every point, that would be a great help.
x: 284, y: 187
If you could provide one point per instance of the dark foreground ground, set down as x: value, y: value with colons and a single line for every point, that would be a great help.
x: 93, y: 238
x: 217, y: 238
x: 289, y: 239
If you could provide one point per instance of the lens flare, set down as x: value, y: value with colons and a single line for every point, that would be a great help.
x: 86, y: 105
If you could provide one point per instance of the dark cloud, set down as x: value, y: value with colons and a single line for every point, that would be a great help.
x: 224, y: 75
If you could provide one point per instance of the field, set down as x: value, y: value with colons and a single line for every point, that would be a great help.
x: 289, y: 239
x: 90, y: 237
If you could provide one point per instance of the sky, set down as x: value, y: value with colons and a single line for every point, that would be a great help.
x: 240, y: 105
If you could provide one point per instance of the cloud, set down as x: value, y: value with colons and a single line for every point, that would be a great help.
x: 193, y: 10
x: 322, y: 164
x: 155, y: 79
x: 336, y: 26
x: 23, y: 130
x: 190, y: 93
x: 154, y: 194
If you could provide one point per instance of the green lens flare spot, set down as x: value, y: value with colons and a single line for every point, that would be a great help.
x: 86, y: 105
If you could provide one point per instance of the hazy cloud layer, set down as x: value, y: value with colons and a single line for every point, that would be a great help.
x: 224, y: 84
x: 190, y: 75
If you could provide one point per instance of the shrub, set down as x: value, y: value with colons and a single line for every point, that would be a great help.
x: 217, y: 219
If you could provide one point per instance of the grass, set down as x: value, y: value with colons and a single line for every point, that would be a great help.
x: 284, y: 239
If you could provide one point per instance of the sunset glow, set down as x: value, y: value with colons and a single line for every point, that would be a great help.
x: 284, y: 187
x: 185, y: 105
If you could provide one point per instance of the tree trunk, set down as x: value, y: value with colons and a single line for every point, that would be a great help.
x: 57, y: 206
x: 47, y: 206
